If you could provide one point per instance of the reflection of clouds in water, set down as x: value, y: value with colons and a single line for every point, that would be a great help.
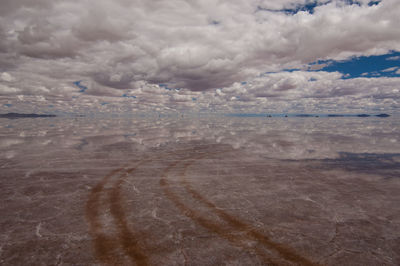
x: 10, y: 154
x: 7, y: 142
x: 295, y: 138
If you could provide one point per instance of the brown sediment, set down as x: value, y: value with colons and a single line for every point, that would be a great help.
x: 284, y: 251
x: 104, y: 246
x: 129, y: 240
x: 197, y: 217
x: 105, y: 249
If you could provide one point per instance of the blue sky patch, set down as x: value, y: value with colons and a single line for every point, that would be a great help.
x: 366, y: 66
x: 310, y: 5
x: 128, y: 96
x: 374, y: 3
x: 387, y: 65
x: 8, y: 105
x: 79, y: 85
x: 165, y: 86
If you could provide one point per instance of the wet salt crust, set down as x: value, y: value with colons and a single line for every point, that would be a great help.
x: 200, y: 191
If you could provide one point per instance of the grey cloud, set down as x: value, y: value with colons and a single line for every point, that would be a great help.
x: 49, y: 50
x: 32, y: 34
x: 135, y: 45
x: 116, y: 80
x: 96, y: 25
x: 312, y: 89
x: 3, y: 46
x: 11, y: 6
x: 8, y: 90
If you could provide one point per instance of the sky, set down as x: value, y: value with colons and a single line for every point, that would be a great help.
x: 254, y: 56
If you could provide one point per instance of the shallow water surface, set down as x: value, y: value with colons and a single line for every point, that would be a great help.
x: 200, y: 191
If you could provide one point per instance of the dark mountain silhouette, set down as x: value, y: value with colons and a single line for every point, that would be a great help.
x: 17, y: 115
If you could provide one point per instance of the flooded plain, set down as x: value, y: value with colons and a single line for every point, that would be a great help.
x: 200, y: 191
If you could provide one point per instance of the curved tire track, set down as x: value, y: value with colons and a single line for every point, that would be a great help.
x: 104, y: 246
x: 236, y: 224
x: 239, y: 225
x: 128, y: 238
x: 107, y: 248
x: 210, y: 225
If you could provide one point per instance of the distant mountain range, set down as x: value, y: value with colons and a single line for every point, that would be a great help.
x: 306, y: 115
x: 359, y: 115
x: 17, y: 115
x: 342, y: 115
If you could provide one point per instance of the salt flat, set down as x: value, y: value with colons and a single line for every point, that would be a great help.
x: 200, y: 191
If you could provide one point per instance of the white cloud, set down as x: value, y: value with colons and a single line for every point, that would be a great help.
x: 393, y: 58
x: 6, y: 90
x: 390, y: 69
x: 6, y: 77
x: 197, y: 46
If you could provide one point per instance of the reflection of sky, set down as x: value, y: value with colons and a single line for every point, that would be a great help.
x: 293, y: 138
x: 386, y: 164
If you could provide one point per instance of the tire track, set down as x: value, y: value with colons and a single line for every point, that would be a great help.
x: 241, y: 226
x: 131, y: 241
x: 128, y: 238
x: 210, y: 225
x: 104, y: 246
x: 108, y: 248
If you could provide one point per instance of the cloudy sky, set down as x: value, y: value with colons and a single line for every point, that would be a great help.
x: 268, y: 56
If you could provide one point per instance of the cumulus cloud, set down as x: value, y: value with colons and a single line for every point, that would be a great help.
x: 393, y: 58
x: 312, y: 92
x: 206, y: 49
x: 390, y: 69
x: 5, y: 90
x: 6, y: 77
